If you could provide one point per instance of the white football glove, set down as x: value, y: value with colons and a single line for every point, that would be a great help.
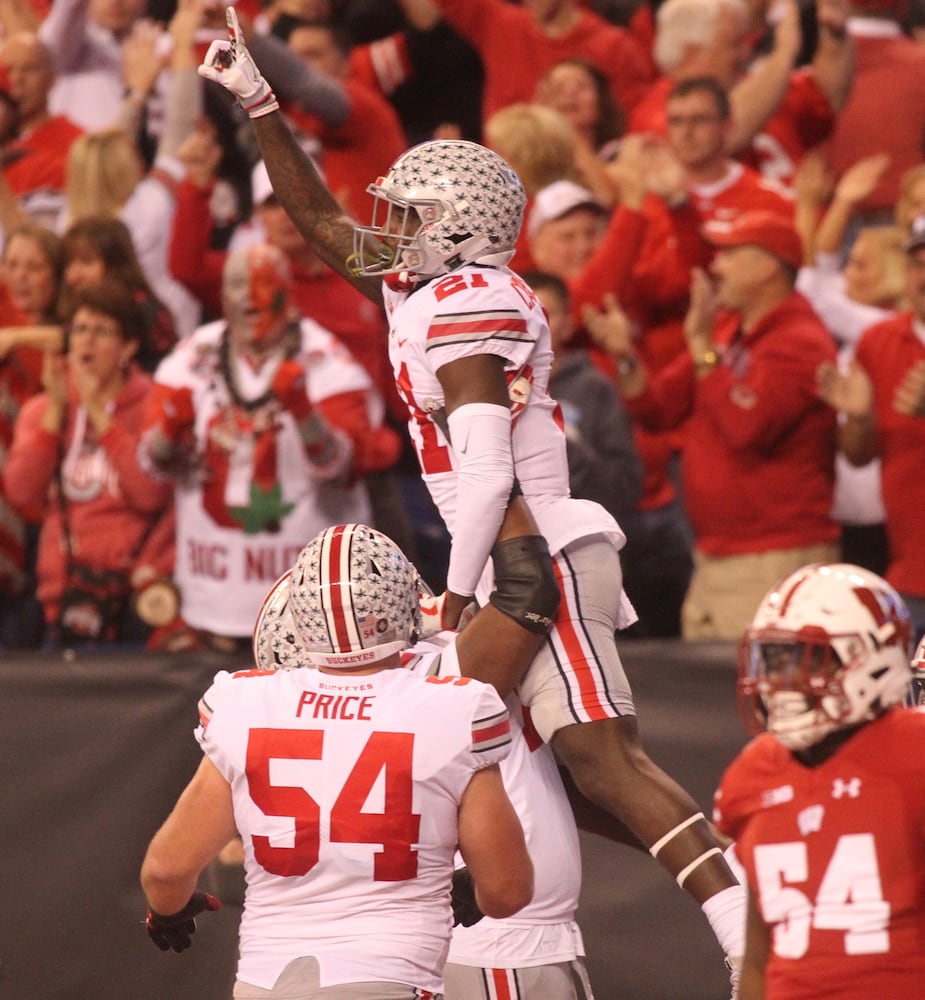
x: 431, y: 614
x: 230, y: 64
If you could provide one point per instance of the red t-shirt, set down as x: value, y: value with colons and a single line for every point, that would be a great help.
x: 515, y: 52
x: 886, y: 352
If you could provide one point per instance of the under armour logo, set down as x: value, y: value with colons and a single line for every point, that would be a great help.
x: 850, y: 788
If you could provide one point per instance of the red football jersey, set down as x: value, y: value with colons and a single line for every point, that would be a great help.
x: 835, y: 857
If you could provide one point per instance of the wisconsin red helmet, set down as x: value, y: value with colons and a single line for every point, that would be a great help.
x: 828, y: 648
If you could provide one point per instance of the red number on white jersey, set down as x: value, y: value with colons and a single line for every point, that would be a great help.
x: 453, y: 283
x: 396, y: 828
x: 433, y: 456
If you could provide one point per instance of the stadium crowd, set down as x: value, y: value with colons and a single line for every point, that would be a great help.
x: 723, y: 234
x: 728, y: 196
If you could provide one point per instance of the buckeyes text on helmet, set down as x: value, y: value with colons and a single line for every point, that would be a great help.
x: 443, y: 203
x: 354, y: 598
x: 828, y: 648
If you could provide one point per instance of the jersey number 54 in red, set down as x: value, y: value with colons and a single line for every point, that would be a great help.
x: 395, y: 829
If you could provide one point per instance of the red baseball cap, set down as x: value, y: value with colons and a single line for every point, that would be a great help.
x: 768, y: 230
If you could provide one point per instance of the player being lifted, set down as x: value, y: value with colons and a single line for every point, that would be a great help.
x: 470, y: 351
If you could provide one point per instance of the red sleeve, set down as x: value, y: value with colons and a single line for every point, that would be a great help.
x: 30, y: 463
x: 141, y: 491
x: 809, y: 105
x: 610, y: 266
x: 192, y: 262
x: 374, y: 448
x: 630, y: 69
x: 668, y: 397
x: 159, y: 550
x: 642, y: 27
x: 474, y: 19
x: 383, y: 64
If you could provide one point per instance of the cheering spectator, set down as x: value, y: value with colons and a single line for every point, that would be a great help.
x: 868, y: 288
x: 107, y: 176
x: 35, y: 158
x: 882, y: 399
x: 777, y: 112
x: 99, y: 246
x: 758, y: 460
x: 267, y: 427
x: 31, y: 268
x: 73, y: 465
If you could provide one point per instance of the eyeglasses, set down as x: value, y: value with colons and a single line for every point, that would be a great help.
x: 679, y: 121
x: 96, y: 329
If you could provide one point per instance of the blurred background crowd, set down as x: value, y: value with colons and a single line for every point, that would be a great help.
x: 726, y: 225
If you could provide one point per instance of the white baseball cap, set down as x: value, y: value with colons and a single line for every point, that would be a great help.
x: 558, y: 199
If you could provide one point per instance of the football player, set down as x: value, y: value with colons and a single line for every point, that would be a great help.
x: 351, y: 781
x: 826, y: 806
x: 470, y: 351
x: 539, y: 953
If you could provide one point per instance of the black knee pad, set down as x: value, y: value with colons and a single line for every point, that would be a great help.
x: 525, y: 583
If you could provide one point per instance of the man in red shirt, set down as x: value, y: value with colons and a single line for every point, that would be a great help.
x: 779, y: 110
x: 882, y: 398
x: 758, y: 461
x: 35, y: 159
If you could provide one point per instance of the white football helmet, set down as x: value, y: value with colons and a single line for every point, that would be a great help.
x: 276, y: 643
x: 916, y: 694
x: 353, y: 599
x: 443, y: 203
x: 828, y: 648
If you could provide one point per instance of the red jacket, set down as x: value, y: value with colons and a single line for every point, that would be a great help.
x: 758, y: 463
x: 886, y: 352
x: 111, y: 499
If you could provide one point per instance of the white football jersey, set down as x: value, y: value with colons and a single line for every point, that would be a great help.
x: 544, y: 931
x: 346, y: 791
x: 485, y: 310
x: 244, y: 520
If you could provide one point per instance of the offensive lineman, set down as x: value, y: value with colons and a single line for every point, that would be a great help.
x: 538, y: 953
x: 470, y: 351
x: 352, y: 783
